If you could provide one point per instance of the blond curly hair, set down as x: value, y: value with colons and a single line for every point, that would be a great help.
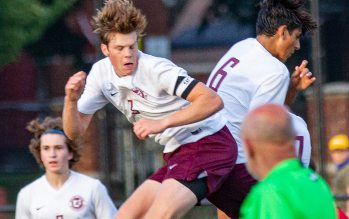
x: 118, y: 16
x: 49, y: 123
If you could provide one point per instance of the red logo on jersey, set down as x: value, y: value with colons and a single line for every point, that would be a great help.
x: 77, y: 203
x: 139, y: 92
x: 59, y: 217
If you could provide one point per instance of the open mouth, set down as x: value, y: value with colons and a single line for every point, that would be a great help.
x: 129, y: 64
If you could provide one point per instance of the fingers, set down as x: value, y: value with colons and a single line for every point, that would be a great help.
x: 75, y: 85
x: 304, y: 71
x: 140, y: 131
x: 76, y: 81
x: 303, y: 64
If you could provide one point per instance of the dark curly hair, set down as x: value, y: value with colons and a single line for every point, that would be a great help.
x: 275, y: 13
x: 49, y: 123
x: 118, y: 16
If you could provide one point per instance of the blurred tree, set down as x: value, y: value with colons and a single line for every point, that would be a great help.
x: 24, y: 21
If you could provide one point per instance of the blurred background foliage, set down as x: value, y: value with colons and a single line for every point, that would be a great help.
x: 23, y: 22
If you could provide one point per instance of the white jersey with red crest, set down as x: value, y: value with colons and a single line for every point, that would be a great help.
x: 80, y: 197
x: 151, y: 92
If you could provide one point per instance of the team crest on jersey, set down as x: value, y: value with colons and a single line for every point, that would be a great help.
x: 139, y: 92
x: 77, y: 203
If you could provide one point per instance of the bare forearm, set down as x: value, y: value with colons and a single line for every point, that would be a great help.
x: 200, y: 109
x: 290, y: 96
x: 73, y: 124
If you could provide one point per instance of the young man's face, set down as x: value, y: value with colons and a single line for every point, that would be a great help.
x: 122, y: 52
x: 289, y: 45
x: 54, y: 153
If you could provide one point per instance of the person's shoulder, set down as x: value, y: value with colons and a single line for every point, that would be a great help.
x: 297, y: 119
x: 102, y: 65
x: 101, y: 62
x: 149, y: 61
x: 79, y: 177
x: 36, y: 184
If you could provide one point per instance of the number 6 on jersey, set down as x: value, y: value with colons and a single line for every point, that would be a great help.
x: 220, y: 74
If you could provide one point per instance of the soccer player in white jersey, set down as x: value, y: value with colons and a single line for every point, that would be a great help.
x: 252, y: 73
x: 302, y: 141
x: 162, y: 102
x: 61, y: 193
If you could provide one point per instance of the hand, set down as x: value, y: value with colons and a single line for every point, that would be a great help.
x: 145, y: 127
x: 301, y: 77
x: 75, y: 86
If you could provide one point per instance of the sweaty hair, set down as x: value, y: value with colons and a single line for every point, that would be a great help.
x: 118, y: 16
x: 49, y: 123
x: 275, y: 13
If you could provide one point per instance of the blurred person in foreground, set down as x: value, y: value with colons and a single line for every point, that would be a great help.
x: 339, y: 151
x: 163, y: 102
x: 61, y: 193
x: 286, y: 189
x: 252, y: 73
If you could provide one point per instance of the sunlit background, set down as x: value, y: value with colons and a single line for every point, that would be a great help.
x: 44, y: 42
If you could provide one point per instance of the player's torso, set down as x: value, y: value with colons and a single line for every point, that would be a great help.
x: 141, y: 100
x: 240, y: 72
x: 237, y: 78
x: 70, y: 202
x: 141, y: 95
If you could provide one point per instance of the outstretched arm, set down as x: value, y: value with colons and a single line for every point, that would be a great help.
x: 300, y: 80
x: 74, y: 122
x: 205, y: 102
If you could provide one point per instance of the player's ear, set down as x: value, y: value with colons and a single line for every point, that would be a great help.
x: 282, y: 32
x: 71, y: 155
x: 104, y: 49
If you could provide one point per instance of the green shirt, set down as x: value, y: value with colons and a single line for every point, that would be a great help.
x: 289, y: 191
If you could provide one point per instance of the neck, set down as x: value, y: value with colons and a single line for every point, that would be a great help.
x: 268, y: 162
x: 57, y: 180
x: 269, y: 43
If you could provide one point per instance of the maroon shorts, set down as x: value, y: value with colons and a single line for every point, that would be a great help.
x: 216, y: 154
x: 230, y: 195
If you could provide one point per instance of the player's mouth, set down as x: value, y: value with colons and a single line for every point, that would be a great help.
x: 53, y: 163
x: 129, y: 65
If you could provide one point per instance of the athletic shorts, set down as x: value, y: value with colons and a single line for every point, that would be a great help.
x: 216, y: 154
x: 228, y: 198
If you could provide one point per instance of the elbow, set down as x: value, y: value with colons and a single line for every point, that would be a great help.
x: 218, y: 103
x: 71, y: 136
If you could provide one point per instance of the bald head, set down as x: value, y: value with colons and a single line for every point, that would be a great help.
x: 269, y: 123
x: 268, y: 138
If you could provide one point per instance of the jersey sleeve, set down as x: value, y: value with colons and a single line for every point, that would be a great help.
x: 271, y: 90
x: 104, y: 206
x: 22, y: 207
x: 92, y: 99
x: 266, y: 203
x: 172, y: 79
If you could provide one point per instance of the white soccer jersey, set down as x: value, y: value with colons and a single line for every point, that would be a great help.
x: 245, y: 77
x: 302, y: 143
x: 148, y: 93
x: 80, y: 197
